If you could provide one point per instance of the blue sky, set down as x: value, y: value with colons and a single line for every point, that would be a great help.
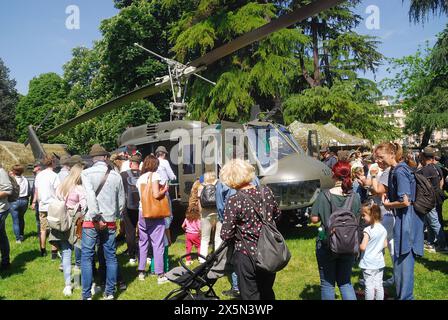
x: 35, y: 40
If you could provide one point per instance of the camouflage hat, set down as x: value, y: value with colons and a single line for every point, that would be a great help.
x: 65, y: 160
x: 161, y: 149
x: 76, y: 159
x: 97, y: 151
x: 136, y: 158
x: 429, y: 152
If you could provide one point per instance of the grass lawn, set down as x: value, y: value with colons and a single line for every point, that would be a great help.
x: 37, y: 278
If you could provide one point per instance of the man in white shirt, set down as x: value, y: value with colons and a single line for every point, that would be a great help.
x: 45, y: 184
x: 164, y: 170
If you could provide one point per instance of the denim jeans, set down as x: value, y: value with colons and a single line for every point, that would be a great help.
x: 18, y: 209
x: 234, y: 281
x: 107, y: 241
x: 4, y: 242
x: 334, y: 269
x: 66, y: 252
x: 77, y: 256
x: 404, y: 276
x: 435, y: 230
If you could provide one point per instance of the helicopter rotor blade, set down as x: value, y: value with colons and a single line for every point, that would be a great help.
x: 200, y: 63
x: 137, y: 94
x: 287, y: 20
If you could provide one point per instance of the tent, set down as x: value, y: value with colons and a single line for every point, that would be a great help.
x: 329, y: 135
x: 12, y: 153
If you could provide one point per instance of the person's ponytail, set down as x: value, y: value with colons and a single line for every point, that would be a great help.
x: 342, y: 172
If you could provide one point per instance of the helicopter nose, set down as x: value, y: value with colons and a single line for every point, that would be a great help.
x: 297, y: 180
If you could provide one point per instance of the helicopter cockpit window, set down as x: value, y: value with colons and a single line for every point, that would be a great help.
x: 269, y: 144
x: 293, y: 140
x: 188, y: 159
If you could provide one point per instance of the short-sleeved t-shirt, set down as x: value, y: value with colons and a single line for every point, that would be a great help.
x: 373, y: 258
x: 144, y: 179
x: 384, y: 177
x: 322, y: 206
x: 46, y: 184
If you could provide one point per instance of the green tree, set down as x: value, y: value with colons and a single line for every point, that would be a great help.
x: 316, y: 52
x: 261, y: 73
x: 424, y: 93
x: 420, y: 10
x: 46, y: 92
x: 351, y: 105
x: 333, y: 49
x: 8, y: 102
x: 88, y: 89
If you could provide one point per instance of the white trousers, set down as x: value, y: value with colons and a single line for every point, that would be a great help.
x: 207, y: 223
x: 374, y: 284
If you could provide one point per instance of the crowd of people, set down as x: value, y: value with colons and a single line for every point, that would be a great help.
x: 376, y: 190
x: 384, y: 185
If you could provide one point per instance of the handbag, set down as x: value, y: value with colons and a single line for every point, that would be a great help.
x: 153, y: 208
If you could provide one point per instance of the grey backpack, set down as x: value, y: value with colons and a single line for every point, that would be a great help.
x: 342, y: 228
x: 58, y: 217
x: 272, y: 252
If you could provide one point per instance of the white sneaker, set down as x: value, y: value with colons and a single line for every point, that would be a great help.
x: 162, y: 280
x: 67, y: 291
x: 141, y: 276
x: 95, y: 289
x: 108, y: 297
x: 132, y: 262
x: 148, y: 261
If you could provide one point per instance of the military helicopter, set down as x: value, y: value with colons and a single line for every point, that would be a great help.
x: 196, y: 147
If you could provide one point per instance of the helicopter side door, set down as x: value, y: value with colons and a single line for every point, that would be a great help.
x: 190, y: 165
x: 234, y: 142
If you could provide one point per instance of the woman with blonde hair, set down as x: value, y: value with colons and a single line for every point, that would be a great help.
x: 243, y: 226
x: 208, y: 213
x: 72, y: 193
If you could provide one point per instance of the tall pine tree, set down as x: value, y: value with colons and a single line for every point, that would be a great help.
x: 8, y: 101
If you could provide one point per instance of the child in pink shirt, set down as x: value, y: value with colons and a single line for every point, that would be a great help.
x: 192, y: 227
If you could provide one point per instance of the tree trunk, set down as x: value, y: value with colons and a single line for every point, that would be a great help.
x: 425, y: 139
x: 305, y: 73
x: 314, y: 31
x: 325, y: 58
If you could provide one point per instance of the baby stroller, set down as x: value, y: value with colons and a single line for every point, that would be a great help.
x: 205, y: 275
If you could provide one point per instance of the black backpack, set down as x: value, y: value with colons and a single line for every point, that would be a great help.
x: 208, y: 196
x: 133, y: 198
x: 342, y: 227
x: 272, y: 253
x: 425, y: 195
